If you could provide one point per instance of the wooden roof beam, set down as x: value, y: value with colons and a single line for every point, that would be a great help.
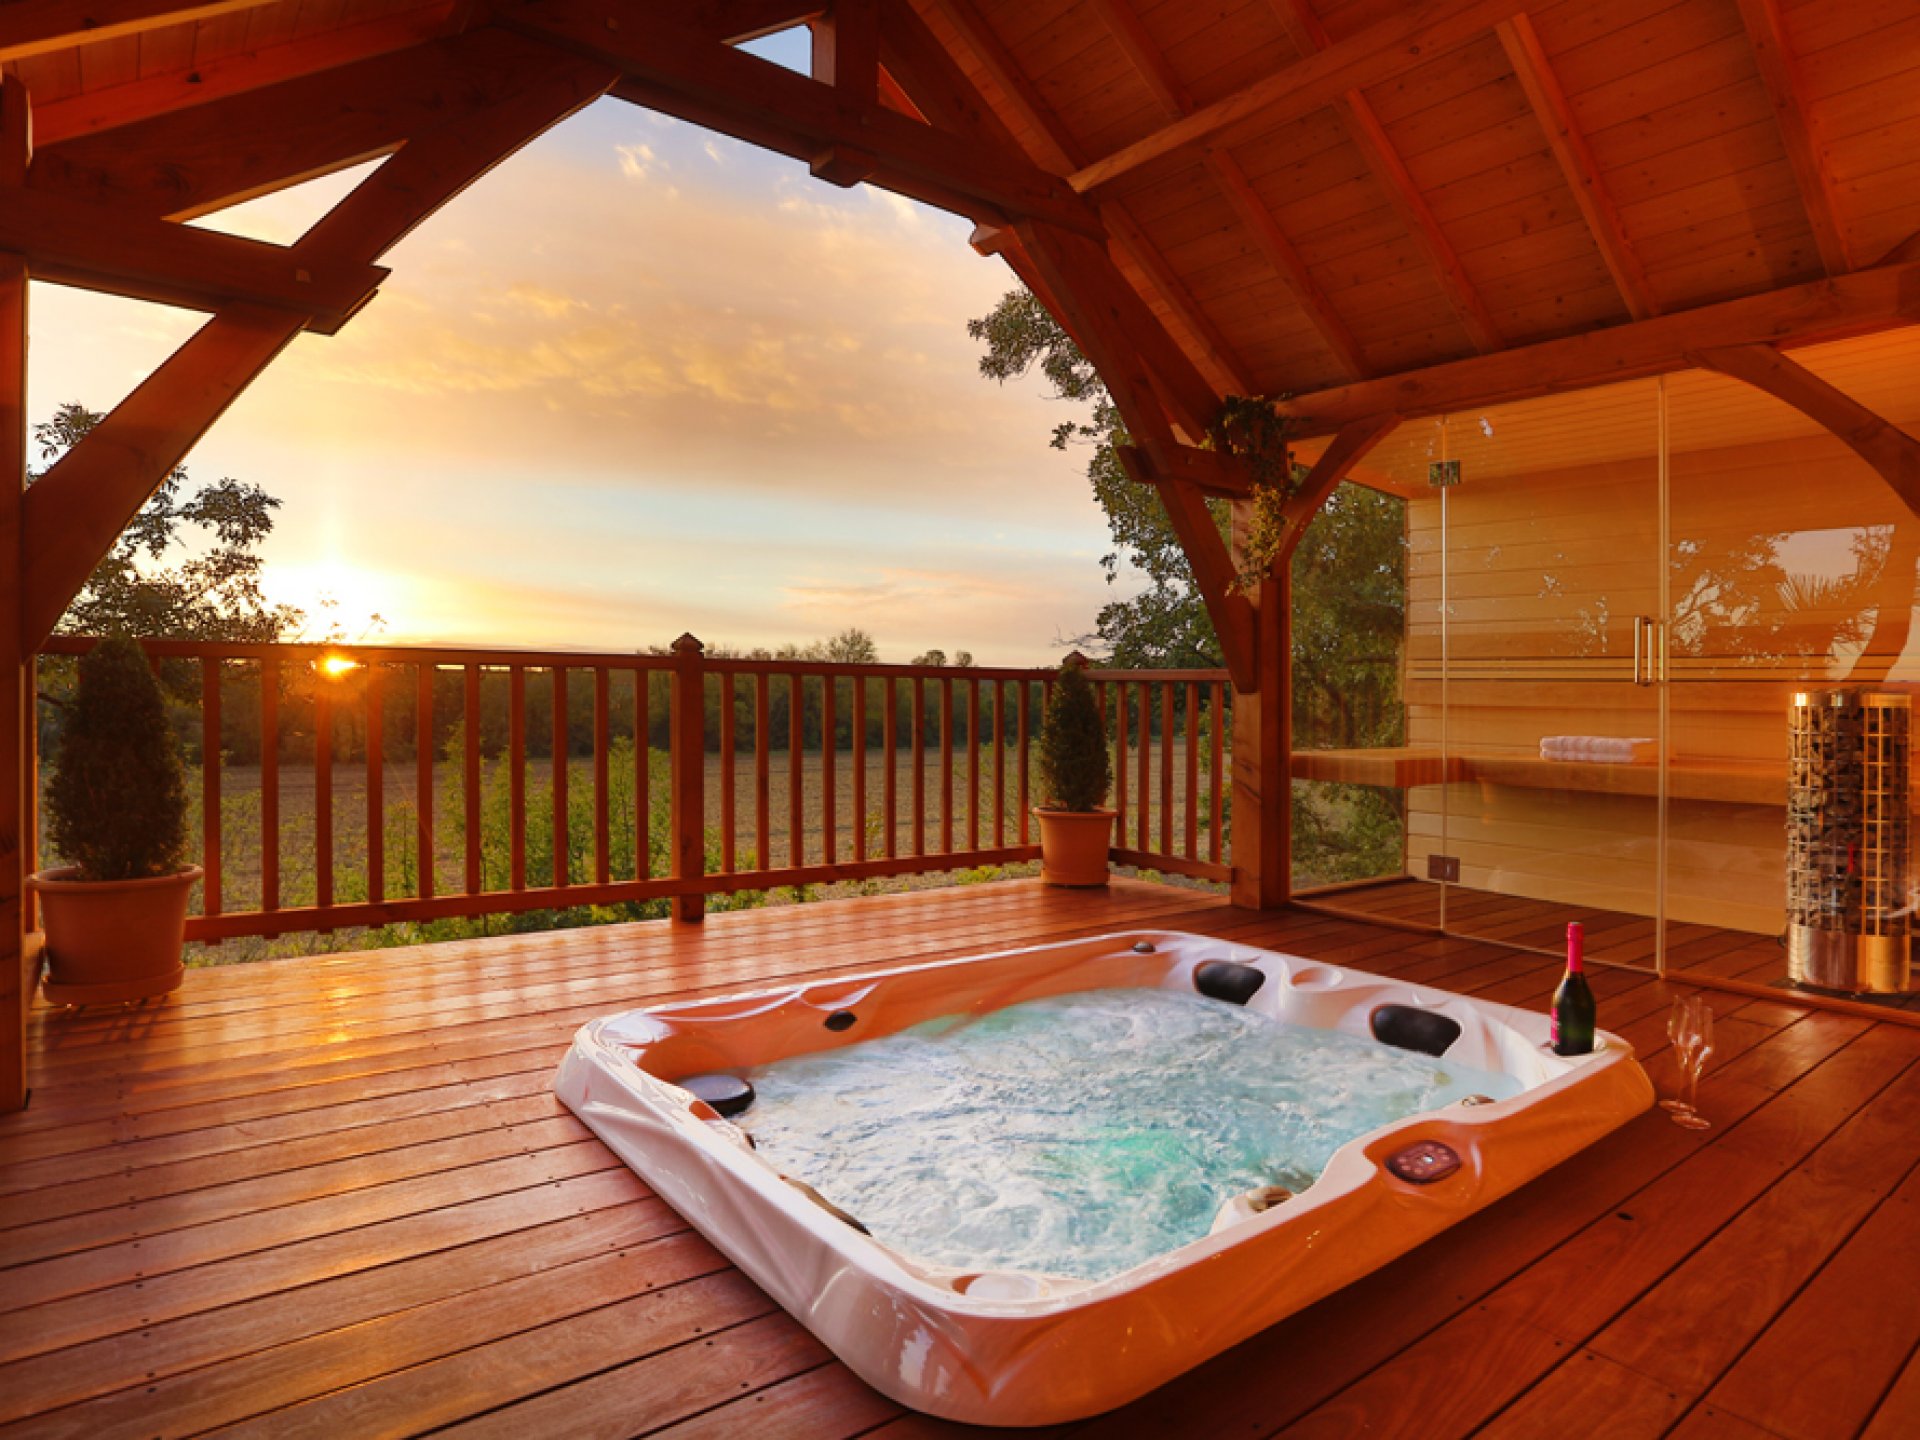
x: 1575, y: 158
x: 34, y: 27
x: 207, y: 81
x: 959, y: 100
x: 189, y: 163
x: 1780, y: 75
x: 1293, y: 271
x: 1883, y: 298
x: 95, y: 247
x: 846, y: 51
x: 1350, y: 446
x: 1887, y: 448
x: 1369, y: 136
x: 1373, y: 55
x: 670, y: 67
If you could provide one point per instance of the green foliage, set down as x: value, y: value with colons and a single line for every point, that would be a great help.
x: 187, y: 567
x: 117, y: 802
x: 1349, y: 590
x: 1252, y: 428
x: 1075, y: 769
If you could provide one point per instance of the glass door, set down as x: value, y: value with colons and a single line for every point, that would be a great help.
x: 1792, y: 569
x: 1550, y: 707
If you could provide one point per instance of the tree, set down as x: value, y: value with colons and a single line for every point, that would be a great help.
x: 1349, y: 598
x: 188, y: 566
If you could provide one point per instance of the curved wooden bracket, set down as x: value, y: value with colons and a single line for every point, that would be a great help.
x: 1348, y: 448
x: 1888, y: 449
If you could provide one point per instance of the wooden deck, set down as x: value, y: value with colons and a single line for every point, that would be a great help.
x: 1611, y: 935
x: 334, y: 1196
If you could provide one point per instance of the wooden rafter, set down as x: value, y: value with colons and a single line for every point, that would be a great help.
x: 1887, y: 448
x: 34, y: 27
x: 1861, y: 303
x: 1059, y: 150
x: 1779, y: 74
x: 73, y: 513
x: 846, y: 51
x: 187, y: 163
x: 669, y: 67
x: 1293, y: 271
x: 1369, y: 57
x: 1575, y: 158
x: 1302, y: 24
x: 1124, y: 24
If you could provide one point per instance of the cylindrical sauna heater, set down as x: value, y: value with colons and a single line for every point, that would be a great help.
x: 1848, y: 825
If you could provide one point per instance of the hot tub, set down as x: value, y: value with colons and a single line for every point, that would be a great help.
x: 990, y: 1344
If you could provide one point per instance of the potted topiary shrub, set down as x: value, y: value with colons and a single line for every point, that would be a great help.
x: 115, y: 914
x: 1075, y: 774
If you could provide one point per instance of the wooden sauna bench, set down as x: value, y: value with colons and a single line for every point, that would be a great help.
x: 1404, y: 766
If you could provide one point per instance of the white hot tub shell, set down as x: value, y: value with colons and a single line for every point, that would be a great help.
x: 1017, y: 1349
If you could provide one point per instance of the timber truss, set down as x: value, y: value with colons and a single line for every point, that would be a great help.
x: 95, y: 187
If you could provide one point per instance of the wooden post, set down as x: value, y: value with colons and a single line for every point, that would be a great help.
x: 19, y: 962
x: 687, y: 739
x: 1262, y: 748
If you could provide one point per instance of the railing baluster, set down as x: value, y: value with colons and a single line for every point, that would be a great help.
x: 728, y: 693
x: 796, y: 770
x: 859, y: 762
x: 376, y: 788
x: 517, y: 778
x: 762, y: 771
x: 1120, y: 761
x: 1026, y: 766
x: 829, y: 820
x: 946, y: 764
x: 973, y: 764
x: 889, y: 781
x: 1192, y: 852
x: 559, y: 747
x: 642, y: 777
x: 602, y: 738
x: 919, y: 765
x: 1166, y: 769
x: 209, y: 784
x: 1146, y: 768
x: 999, y: 765
x: 476, y: 877
x: 270, y: 785
x: 323, y: 796
x: 423, y: 778
x: 1217, y: 714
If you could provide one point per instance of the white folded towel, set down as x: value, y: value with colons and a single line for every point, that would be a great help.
x: 1600, y: 749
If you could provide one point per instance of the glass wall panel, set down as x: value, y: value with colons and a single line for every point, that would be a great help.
x: 1792, y: 566
x: 1358, y: 632
x: 1551, y: 805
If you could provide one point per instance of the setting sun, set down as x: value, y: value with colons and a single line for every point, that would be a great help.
x: 335, y: 666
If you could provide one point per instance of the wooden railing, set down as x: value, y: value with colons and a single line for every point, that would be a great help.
x: 451, y: 782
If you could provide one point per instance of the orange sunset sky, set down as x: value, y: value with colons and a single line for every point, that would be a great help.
x: 644, y: 379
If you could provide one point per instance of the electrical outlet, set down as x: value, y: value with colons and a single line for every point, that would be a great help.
x: 1444, y: 867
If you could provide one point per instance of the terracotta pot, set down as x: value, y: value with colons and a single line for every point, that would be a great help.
x: 112, y: 940
x: 1073, y: 846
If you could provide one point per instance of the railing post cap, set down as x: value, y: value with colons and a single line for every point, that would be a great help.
x: 1075, y: 661
x: 688, y: 645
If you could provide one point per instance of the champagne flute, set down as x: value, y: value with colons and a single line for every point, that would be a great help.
x: 1698, y: 1050
x: 1680, y: 1026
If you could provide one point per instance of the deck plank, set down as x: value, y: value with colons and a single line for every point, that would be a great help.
x: 336, y: 1196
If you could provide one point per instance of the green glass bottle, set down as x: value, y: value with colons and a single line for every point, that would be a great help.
x: 1573, y: 1008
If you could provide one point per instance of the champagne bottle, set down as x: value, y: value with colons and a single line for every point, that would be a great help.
x: 1571, y: 1032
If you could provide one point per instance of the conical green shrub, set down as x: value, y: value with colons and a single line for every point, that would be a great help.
x: 117, y: 802
x: 1075, y: 770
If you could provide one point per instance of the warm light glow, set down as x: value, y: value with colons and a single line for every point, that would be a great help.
x: 334, y: 666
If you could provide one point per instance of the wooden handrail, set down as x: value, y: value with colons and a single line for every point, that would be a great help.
x: 971, y: 737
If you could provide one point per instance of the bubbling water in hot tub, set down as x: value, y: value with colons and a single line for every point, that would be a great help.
x: 1083, y: 1134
